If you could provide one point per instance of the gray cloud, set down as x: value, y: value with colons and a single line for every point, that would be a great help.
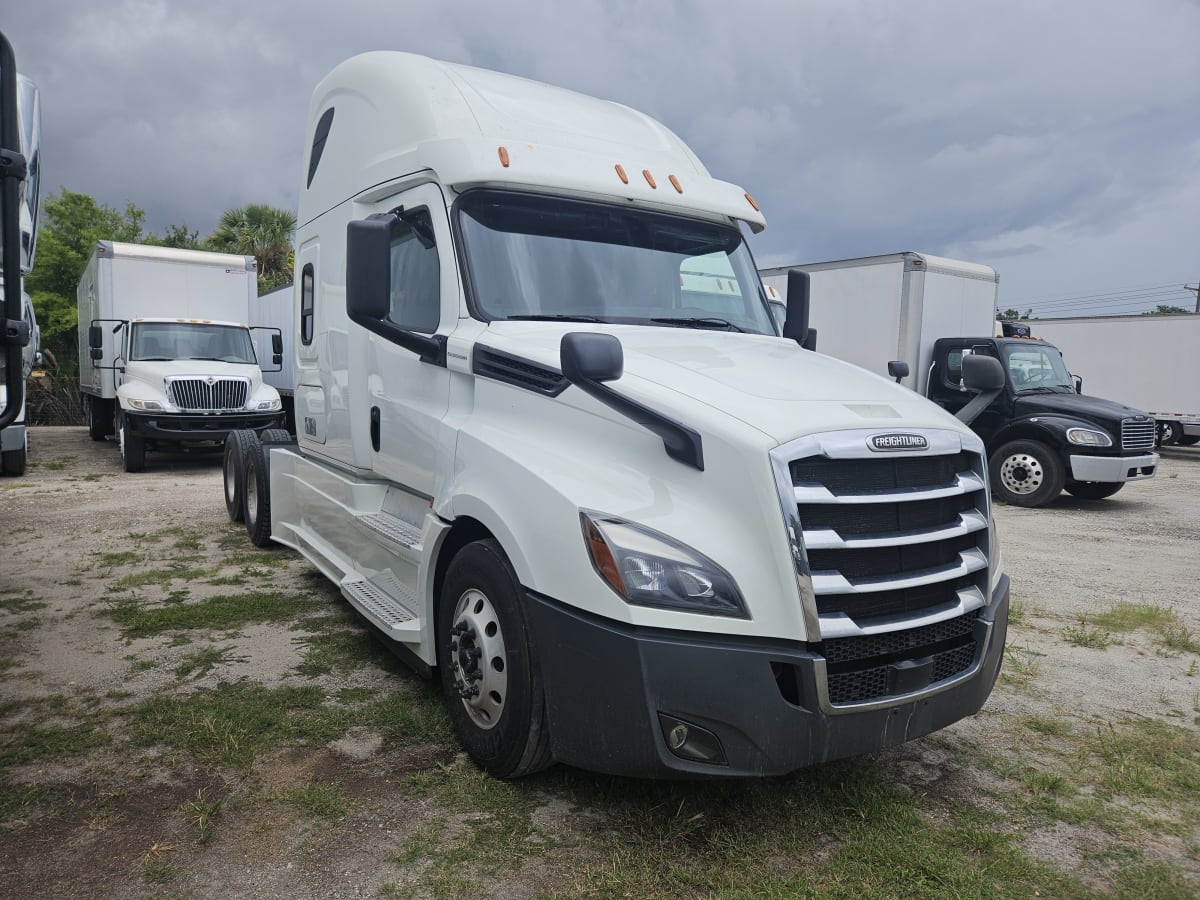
x: 1060, y: 143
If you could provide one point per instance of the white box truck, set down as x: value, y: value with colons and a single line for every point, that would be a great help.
x: 1151, y: 362
x: 19, y: 352
x: 552, y: 446
x: 927, y: 312
x: 271, y: 314
x: 166, y: 358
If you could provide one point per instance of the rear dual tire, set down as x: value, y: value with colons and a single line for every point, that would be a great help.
x: 256, y: 491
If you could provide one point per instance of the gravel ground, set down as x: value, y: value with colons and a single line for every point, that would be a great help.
x: 71, y: 516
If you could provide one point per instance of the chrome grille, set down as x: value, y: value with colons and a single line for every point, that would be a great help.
x: 892, y: 542
x: 208, y: 394
x: 1137, y: 434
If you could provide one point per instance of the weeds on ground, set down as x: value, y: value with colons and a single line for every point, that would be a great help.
x: 1082, y: 635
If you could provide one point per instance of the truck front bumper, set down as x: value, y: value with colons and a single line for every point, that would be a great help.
x: 197, y: 430
x: 617, y: 694
x: 1114, y: 468
x: 12, y: 438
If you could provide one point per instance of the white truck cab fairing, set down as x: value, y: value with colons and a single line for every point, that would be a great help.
x: 551, y: 445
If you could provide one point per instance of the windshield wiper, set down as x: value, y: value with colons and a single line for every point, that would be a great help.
x: 534, y: 317
x: 699, y: 322
x: 1046, y: 389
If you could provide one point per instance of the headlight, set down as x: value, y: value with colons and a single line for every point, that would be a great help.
x: 152, y: 405
x: 270, y: 405
x: 1088, y: 438
x: 647, y: 568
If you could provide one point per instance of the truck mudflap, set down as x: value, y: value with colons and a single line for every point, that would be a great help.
x: 191, y: 429
x: 619, y: 697
x: 1113, y: 468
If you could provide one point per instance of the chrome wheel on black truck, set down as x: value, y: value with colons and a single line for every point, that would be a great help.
x: 1026, y: 473
x: 491, y: 685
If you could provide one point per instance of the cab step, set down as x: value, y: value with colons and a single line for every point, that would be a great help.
x: 386, y: 602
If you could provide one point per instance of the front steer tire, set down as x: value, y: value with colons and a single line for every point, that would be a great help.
x: 490, y: 681
x: 133, y: 449
x: 1026, y: 473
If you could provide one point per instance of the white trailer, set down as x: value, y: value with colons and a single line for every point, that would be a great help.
x: 551, y: 445
x: 166, y: 356
x: 874, y: 309
x: 1151, y: 362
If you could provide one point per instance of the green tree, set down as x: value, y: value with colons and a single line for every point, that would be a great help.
x: 1162, y: 310
x: 179, y: 236
x: 261, y: 231
x: 1011, y: 315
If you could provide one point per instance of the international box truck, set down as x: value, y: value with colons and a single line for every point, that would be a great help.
x: 166, y: 357
x: 1151, y: 362
x: 270, y: 315
x: 552, y: 446
x: 19, y: 352
x: 928, y: 313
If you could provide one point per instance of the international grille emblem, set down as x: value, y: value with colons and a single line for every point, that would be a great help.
x: 898, y: 442
x: 210, y: 381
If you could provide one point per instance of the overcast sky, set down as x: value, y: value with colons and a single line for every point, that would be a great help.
x: 1058, y: 142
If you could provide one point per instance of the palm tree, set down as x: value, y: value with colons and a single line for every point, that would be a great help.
x: 261, y: 231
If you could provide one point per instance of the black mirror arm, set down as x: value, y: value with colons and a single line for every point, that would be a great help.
x: 681, y: 443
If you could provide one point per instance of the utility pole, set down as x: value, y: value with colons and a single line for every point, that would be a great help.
x: 1195, y: 290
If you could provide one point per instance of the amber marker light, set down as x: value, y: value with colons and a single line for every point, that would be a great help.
x: 602, y: 556
x: 503, y: 153
x: 675, y: 184
x: 649, y: 178
x: 621, y: 173
x: 750, y: 200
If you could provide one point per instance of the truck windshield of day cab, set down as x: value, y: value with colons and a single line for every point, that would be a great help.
x: 158, y: 341
x: 1037, y: 369
x: 533, y: 257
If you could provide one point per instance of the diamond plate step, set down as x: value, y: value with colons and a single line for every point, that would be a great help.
x: 385, y: 601
x: 393, y: 529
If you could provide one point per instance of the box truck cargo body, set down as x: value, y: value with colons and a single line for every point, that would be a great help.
x: 551, y: 445
x: 167, y: 361
x: 271, y: 314
x: 1151, y: 362
x: 929, y: 313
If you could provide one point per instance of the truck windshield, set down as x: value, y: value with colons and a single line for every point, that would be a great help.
x: 190, y: 340
x: 1037, y: 368
x: 538, y: 257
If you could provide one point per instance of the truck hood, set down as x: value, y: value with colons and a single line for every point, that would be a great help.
x: 154, y: 369
x: 766, y: 382
x: 1080, y: 406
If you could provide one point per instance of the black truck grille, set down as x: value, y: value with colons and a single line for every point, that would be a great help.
x: 208, y: 393
x: 889, y: 538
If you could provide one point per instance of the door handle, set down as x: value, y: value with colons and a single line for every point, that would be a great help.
x: 375, y: 428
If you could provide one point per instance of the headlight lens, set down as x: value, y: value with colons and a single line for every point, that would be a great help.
x: 647, y: 568
x: 270, y: 404
x: 1088, y: 438
x: 149, y: 405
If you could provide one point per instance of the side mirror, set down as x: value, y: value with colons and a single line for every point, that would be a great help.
x: 97, y: 353
x: 369, y: 267
x: 276, y: 344
x: 587, y: 357
x: 796, y: 326
x: 95, y: 338
x: 898, y: 369
x: 982, y: 373
x: 1078, y: 384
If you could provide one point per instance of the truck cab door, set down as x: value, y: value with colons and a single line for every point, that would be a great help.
x: 945, y: 384
x: 408, y: 396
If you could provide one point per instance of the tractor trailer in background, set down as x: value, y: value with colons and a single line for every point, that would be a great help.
x: 1151, y: 362
x: 551, y: 444
x: 928, y: 313
x: 166, y: 360
x: 19, y: 352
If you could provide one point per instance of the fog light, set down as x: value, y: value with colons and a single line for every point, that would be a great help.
x: 688, y: 741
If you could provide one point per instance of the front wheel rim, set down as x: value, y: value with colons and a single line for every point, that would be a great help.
x: 1022, y: 473
x: 478, y: 661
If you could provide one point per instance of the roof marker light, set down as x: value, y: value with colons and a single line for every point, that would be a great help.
x: 503, y: 153
x: 750, y: 200
x: 649, y: 179
x: 621, y: 174
x: 675, y: 184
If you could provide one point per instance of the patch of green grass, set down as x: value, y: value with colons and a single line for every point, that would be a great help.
x: 24, y: 742
x: 228, y: 580
x: 1145, y: 758
x: 1082, y: 635
x: 221, y: 612
x: 204, y: 660
x: 120, y: 558
x: 1157, y: 879
x: 53, y: 465
x: 18, y: 799
x: 21, y: 603
x: 337, y: 649
x: 1126, y: 616
x: 1175, y: 638
x: 1051, y: 727
x: 178, y: 571
x: 1021, y: 665
x: 319, y: 800
x: 201, y: 814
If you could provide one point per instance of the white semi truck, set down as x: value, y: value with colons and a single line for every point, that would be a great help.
x: 629, y: 525
x: 22, y: 337
x: 167, y: 360
x: 928, y: 313
x: 1151, y: 362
